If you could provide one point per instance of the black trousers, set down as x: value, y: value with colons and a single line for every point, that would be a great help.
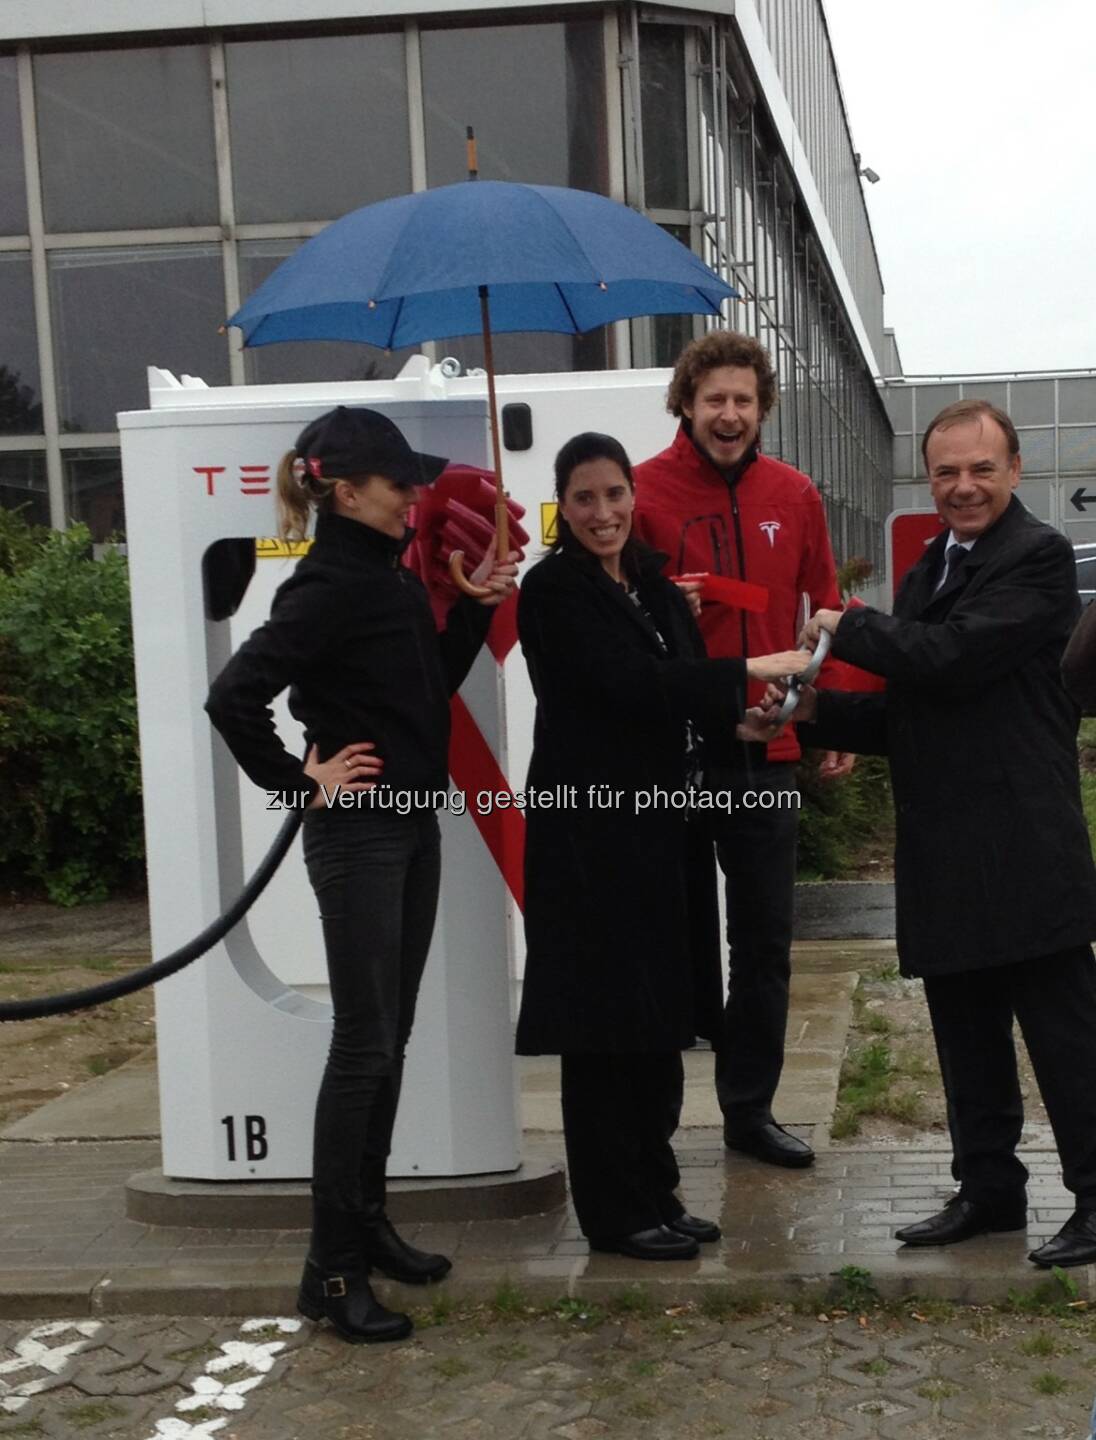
x: 1054, y: 999
x: 619, y: 1115
x: 376, y: 880
x: 756, y: 852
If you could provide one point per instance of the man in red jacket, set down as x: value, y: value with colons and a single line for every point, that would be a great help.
x: 715, y: 505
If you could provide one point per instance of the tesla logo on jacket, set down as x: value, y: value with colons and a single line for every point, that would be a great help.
x: 706, y: 522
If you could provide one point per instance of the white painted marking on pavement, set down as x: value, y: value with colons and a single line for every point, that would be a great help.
x: 207, y: 1391
x: 32, y: 1353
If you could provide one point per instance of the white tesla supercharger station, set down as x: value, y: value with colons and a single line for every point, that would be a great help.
x: 243, y: 1032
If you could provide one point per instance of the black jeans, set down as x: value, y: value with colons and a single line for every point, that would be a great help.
x: 756, y: 852
x: 376, y: 881
x: 1054, y: 999
x: 619, y: 1115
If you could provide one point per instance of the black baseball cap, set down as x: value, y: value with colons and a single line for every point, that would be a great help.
x: 347, y: 442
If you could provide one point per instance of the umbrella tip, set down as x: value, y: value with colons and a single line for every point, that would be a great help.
x: 473, y: 162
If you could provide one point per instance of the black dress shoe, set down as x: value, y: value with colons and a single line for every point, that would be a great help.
x: 389, y: 1253
x: 703, y: 1231
x: 771, y: 1143
x: 661, y: 1243
x: 961, y: 1219
x: 1074, y: 1244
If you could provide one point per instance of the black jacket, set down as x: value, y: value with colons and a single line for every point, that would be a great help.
x: 352, y: 633
x: 992, y: 861
x: 621, y: 921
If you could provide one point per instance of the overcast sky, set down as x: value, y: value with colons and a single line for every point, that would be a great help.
x: 980, y: 118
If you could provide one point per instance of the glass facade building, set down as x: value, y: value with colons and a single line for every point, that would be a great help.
x: 150, y: 180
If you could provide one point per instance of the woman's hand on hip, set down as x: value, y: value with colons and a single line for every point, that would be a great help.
x: 354, y: 767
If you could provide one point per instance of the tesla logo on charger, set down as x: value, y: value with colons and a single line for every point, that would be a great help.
x: 770, y: 528
x: 252, y: 479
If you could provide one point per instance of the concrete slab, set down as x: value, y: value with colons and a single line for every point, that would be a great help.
x: 121, y: 1105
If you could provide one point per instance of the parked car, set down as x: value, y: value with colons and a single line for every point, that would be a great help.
x: 1085, y: 556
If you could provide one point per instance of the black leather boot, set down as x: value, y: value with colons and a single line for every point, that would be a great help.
x: 335, y: 1284
x: 392, y: 1256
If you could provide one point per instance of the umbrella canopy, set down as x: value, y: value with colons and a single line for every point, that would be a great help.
x: 411, y: 269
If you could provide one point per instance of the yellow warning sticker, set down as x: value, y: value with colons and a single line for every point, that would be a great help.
x: 271, y: 549
x: 548, y: 512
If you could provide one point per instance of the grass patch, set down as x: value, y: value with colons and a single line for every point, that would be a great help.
x: 865, y: 1087
x: 440, y: 1309
x: 579, y: 1312
x: 632, y: 1301
x: 723, y: 1302
x: 1040, y: 1345
x: 1055, y: 1296
x: 511, y: 1350
x: 1049, y: 1384
x: 94, y: 1412
x: 510, y: 1301
x: 452, y: 1366
x: 878, y: 1366
x: 190, y: 1353
x: 936, y: 1390
x: 853, y: 1289
x: 102, y: 964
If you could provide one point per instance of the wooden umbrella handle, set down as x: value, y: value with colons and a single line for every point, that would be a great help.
x: 502, y: 515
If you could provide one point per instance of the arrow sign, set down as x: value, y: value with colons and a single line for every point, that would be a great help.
x: 1079, y: 499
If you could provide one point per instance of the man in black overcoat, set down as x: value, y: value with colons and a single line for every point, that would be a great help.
x: 994, y: 880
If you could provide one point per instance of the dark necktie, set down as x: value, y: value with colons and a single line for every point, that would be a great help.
x: 956, y: 556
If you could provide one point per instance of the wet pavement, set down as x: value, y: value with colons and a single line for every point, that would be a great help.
x: 807, y: 1319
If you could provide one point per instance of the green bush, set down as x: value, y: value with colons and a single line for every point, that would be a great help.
x: 69, y: 776
x: 840, y: 820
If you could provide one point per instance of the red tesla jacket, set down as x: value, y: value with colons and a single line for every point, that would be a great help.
x: 767, y: 525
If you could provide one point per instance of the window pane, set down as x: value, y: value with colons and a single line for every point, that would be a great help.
x: 899, y: 403
x: 319, y: 127
x: 126, y: 138
x: 316, y: 359
x: 13, y: 190
x: 903, y: 457
x: 662, y: 101
x: 117, y: 311
x: 20, y: 404
x: 995, y: 391
x: 1077, y: 401
x: 93, y: 487
x: 23, y: 485
x: 535, y: 95
x: 1077, y: 450
x: 531, y: 354
x: 1037, y: 451
x: 931, y: 399
x: 1032, y: 402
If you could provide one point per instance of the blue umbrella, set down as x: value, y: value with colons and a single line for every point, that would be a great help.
x: 479, y: 256
x: 410, y: 269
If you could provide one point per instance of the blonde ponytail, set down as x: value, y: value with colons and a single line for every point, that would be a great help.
x: 298, y: 492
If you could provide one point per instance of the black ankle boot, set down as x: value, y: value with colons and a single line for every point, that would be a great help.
x: 335, y: 1284
x: 386, y: 1252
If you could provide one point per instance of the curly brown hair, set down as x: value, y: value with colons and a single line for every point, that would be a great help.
x: 721, y: 347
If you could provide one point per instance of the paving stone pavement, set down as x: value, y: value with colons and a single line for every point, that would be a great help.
x: 571, y: 1373
x: 67, y: 1248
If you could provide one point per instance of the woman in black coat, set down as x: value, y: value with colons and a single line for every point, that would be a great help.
x: 622, y: 934
x: 352, y: 633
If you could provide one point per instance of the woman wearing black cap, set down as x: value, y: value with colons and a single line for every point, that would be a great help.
x: 351, y: 632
